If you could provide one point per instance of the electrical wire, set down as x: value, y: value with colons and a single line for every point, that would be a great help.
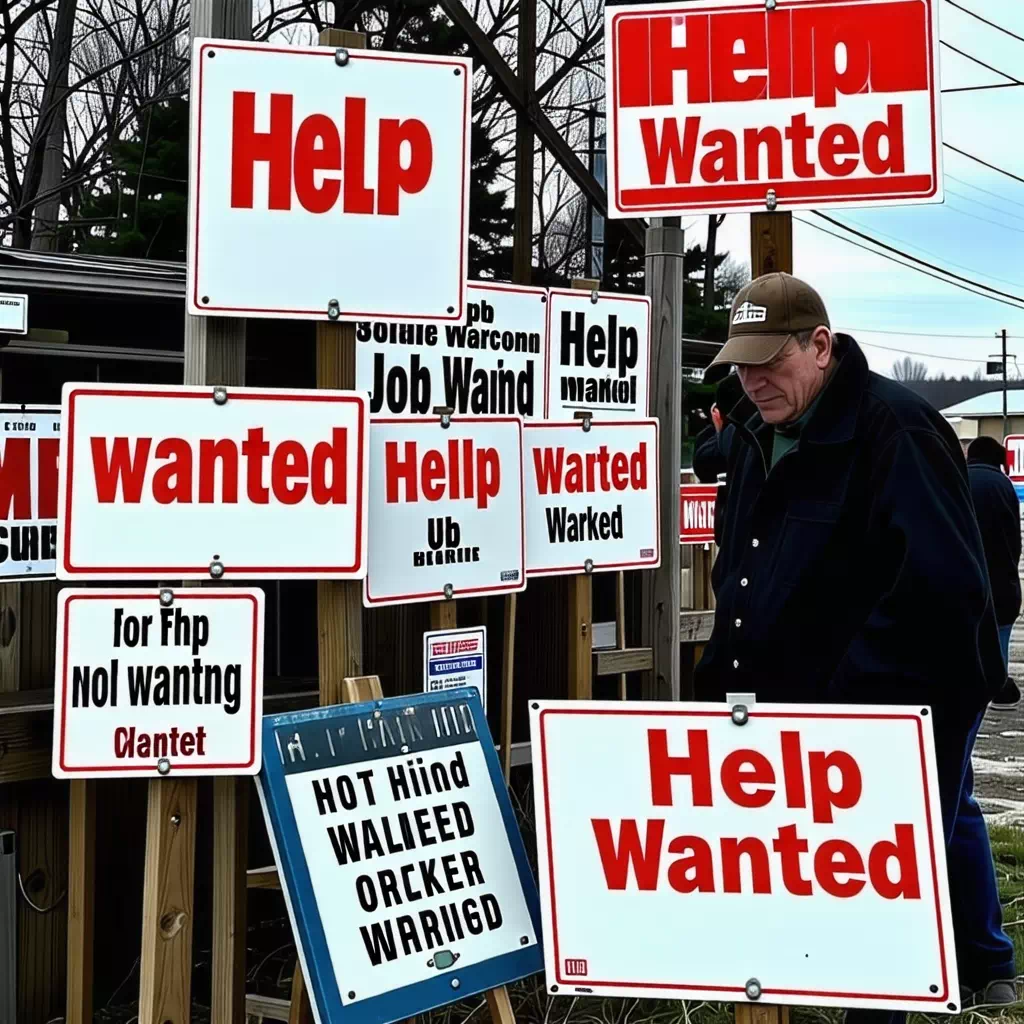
x: 925, y: 355
x: 978, y: 188
x: 915, y: 259
x: 985, y: 220
x: 987, y: 206
x: 991, y: 24
x: 978, y: 160
x: 932, y: 334
x: 987, y: 67
x: 978, y: 88
x: 40, y: 910
x: 908, y: 266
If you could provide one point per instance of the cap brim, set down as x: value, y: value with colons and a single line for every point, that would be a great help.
x: 751, y: 349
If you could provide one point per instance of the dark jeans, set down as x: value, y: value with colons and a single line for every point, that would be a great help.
x: 984, y: 953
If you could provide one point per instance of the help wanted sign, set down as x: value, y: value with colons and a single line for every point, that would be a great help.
x: 713, y: 104
x: 163, y: 482
x: 816, y: 826
x: 403, y: 869
x: 167, y: 681
x: 599, y: 354
x: 29, y: 450
x: 492, y: 364
x: 447, y: 509
x: 591, y: 496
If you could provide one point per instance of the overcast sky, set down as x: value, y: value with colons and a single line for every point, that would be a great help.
x: 979, y: 234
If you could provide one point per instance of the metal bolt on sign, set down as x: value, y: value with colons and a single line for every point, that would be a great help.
x: 333, y: 307
x: 341, y: 57
x: 167, y: 597
x: 456, y: 983
x: 216, y: 569
x: 753, y: 989
x: 770, y: 200
x: 588, y: 566
x: 445, y: 412
x: 220, y: 396
x: 586, y: 417
x: 769, y: 5
x: 740, y: 714
x: 163, y: 766
x: 449, y: 592
x: 594, y: 297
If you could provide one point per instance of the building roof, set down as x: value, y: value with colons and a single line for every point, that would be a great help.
x: 104, y: 275
x: 990, y: 404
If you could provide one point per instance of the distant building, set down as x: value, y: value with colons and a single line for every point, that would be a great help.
x: 982, y: 415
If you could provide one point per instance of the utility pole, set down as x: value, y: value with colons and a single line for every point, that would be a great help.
x: 1003, y: 333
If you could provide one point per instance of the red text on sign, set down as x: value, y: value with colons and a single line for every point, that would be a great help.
x: 586, y: 473
x: 459, y: 470
x: 208, y: 471
x: 16, y: 478
x: 318, y: 164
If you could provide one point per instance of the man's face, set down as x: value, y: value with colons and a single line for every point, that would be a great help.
x: 783, y: 389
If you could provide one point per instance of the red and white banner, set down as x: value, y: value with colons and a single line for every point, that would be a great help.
x: 165, y: 482
x: 1014, y: 444
x: 447, y: 509
x: 323, y: 191
x: 29, y: 449
x: 591, y: 496
x: 151, y: 676
x: 813, y: 825
x: 697, y: 513
x: 826, y: 102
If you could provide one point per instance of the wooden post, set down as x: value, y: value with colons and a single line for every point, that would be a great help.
x: 661, y: 586
x: 81, y: 889
x: 620, y: 625
x: 771, y: 243
x: 754, y: 1013
x: 443, y: 615
x: 508, y: 655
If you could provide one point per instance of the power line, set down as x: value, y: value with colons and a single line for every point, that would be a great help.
x: 978, y: 160
x: 932, y: 334
x: 915, y: 259
x: 986, y: 220
x: 991, y: 24
x: 978, y: 188
x: 978, y: 88
x: 908, y: 266
x: 925, y: 355
x: 988, y: 67
x: 978, y: 202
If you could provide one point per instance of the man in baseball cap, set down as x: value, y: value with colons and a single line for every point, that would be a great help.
x: 847, y: 534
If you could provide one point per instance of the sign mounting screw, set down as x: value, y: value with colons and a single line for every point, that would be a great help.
x: 740, y: 714
x: 449, y: 592
x: 216, y: 568
x: 753, y: 989
x: 333, y: 310
x: 341, y: 54
x: 594, y: 297
x: 770, y: 200
x: 588, y: 566
x: 220, y: 396
x: 163, y: 766
x: 166, y: 597
x: 586, y: 416
x: 445, y: 412
x: 769, y: 5
x: 456, y: 983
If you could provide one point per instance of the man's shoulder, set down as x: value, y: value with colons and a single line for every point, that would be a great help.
x: 889, y: 408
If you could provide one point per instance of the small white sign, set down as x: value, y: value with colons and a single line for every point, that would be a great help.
x: 13, y: 313
x: 322, y: 191
x: 803, y: 822
x: 591, y: 496
x: 166, y: 482
x: 493, y: 364
x: 455, y: 657
x: 447, y: 509
x: 599, y: 354
x: 29, y: 451
x: 143, y: 678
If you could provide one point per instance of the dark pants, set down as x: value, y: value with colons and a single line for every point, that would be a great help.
x: 984, y: 953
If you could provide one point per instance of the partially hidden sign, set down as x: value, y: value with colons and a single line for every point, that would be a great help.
x: 697, y: 513
x: 323, y: 191
x: 807, y: 820
x: 404, y: 873
x: 599, y: 354
x: 447, y: 509
x: 1014, y: 444
x: 591, y: 497
x: 454, y: 658
x: 824, y: 104
x: 166, y: 682
x: 165, y: 482
x: 493, y: 364
x: 29, y: 450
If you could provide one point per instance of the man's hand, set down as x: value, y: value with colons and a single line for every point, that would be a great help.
x: 716, y: 418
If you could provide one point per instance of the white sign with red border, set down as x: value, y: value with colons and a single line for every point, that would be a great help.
x: 599, y: 354
x: 454, y: 658
x: 697, y: 513
x: 492, y: 365
x: 711, y: 104
x: 806, y: 821
x: 323, y: 191
x: 1014, y: 444
x: 155, y: 682
x: 169, y: 482
x: 591, y: 497
x: 29, y: 450
x: 447, y: 509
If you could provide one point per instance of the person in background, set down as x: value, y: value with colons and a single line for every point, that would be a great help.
x: 851, y: 567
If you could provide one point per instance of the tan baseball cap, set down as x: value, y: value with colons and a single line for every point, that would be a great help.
x: 765, y: 314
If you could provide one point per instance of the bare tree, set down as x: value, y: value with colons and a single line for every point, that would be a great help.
x: 714, y: 223
x: 730, y: 276
x: 907, y: 369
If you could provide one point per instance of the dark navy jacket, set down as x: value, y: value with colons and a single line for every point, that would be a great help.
x: 998, y: 511
x: 854, y: 570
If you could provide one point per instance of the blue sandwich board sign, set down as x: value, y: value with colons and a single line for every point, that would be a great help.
x: 401, y: 862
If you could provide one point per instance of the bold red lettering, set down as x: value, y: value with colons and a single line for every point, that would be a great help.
x: 209, y: 451
x: 719, y: 164
x: 178, y: 452
x: 904, y: 852
x: 693, y: 58
x: 336, y: 455
x: 780, y: 69
x: 695, y: 871
x: 620, y: 471
x: 752, y: 142
x: 658, y: 152
x: 823, y: 797
x: 289, y: 463
x: 254, y: 450
x: 317, y: 148
x: 800, y: 133
x: 792, y: 769
x: 249, y: 147
x: 396, y: 469
x: 488, y: 475
x: 834, y: 857
x: 697, y: 764
x: 124, y: 741
x: 47, y: 453
x: 838, y: 140
x: 188, y: 744
x: 16, y: 479
x: 433, y: 476
x: 738, y: 43
x: 634, y: 64
x: 358, y: 198
x: 735, y: 776
x: 201, y: 741
x: 121, y: 468
x: 547, y: 467
x: 454, y: 476
x: 892, y: 131
x: 616, y: 859
x: 789, y: 846
x: 757, y: 853
x: 392, y: 177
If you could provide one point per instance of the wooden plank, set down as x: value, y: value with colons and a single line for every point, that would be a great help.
x: 754, y: 1013
x: 500, y: 1006
x: 661, y: 591
x: 358, y: 689
x: 443, y: 615
x: 167, y: 901
x: 230, y: 857
x: 25, y: 741
x: 81, y: 896
x: 508, y: 659
x: 299, y: 1010
x: 621, y: 661
x: 263, y: 1008
x: 696, y: 626
x: 10, y: 645
x: 262, y: 878
x: 620, y: 631
x: 581, y: 685
x: 771, y: 243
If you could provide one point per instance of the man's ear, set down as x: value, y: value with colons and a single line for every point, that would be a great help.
x: 821, y: 340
